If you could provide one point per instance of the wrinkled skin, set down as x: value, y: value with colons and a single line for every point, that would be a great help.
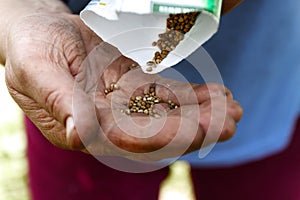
x: 46, y: 53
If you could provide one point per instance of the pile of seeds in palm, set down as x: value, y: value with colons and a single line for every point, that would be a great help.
x: 145, y: 103
x: 177, y: 26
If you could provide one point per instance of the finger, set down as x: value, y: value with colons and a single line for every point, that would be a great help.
x: 217, y: 117
x: 187, y: 93
x: 173, y: 133
x: 182, y: 93
x: 234, y: 110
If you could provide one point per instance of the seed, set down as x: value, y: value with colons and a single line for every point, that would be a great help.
x: 116, y: 87
x: 176, y: 26
x: 151, y: 63
x: 145, y: 103
x: 152, y: 89
x: 127, y: 112
x: 156, y: 116
x: 138, y: 98
x: 149, y: 69
x: 133, y: 66
x: 111, y: 87
x: 157, y: 61
x: 172, y: 105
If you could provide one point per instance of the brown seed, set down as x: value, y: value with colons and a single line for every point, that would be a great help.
x: 133, y: 66
x: 151, y: 63
x: 157, y: 61
x: 145, y: 103
x: 111, y: 87
x: 149, y: 69
x: 138, y: 98
x: 116, y: 87
x: 152, y: 88
x: 156, y: 116
x: 176, y: 26
x: 127, y: 112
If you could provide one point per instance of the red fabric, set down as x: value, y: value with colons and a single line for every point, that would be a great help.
x: 56, y: 174
x: 274, y: 178
x: 66, y: 175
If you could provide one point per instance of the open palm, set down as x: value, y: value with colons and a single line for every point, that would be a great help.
x: 170, y: 132
x: 50, y: 54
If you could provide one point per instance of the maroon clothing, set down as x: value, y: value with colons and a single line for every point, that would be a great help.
x: 56, y: 174
x: 66, y: 175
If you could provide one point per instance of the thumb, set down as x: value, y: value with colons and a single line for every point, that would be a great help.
x: 58, y: 94
x: 44, y: 91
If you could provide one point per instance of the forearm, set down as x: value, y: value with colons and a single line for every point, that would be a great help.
x: 13, y: 10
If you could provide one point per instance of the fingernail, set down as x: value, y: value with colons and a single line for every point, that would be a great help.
x: 69, y: 128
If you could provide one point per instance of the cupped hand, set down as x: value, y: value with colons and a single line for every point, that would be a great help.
x: 203, y: 114
x: 47, y: 56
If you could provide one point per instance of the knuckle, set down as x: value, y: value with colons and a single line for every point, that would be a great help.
x: 53, y: 101
x: 228, y: 129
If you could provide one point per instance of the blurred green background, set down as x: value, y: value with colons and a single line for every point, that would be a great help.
x: 13, y: 164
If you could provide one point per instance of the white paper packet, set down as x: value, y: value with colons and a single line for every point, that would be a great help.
x: 133, y: 25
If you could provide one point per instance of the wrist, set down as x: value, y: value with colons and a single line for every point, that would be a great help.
x: 14, y: 10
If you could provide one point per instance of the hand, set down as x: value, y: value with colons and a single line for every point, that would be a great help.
x: 206, y: 113
x: 44, y: 52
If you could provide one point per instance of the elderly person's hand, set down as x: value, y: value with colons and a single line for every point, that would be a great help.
x: 44, y: 49
x: 200, y: 115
